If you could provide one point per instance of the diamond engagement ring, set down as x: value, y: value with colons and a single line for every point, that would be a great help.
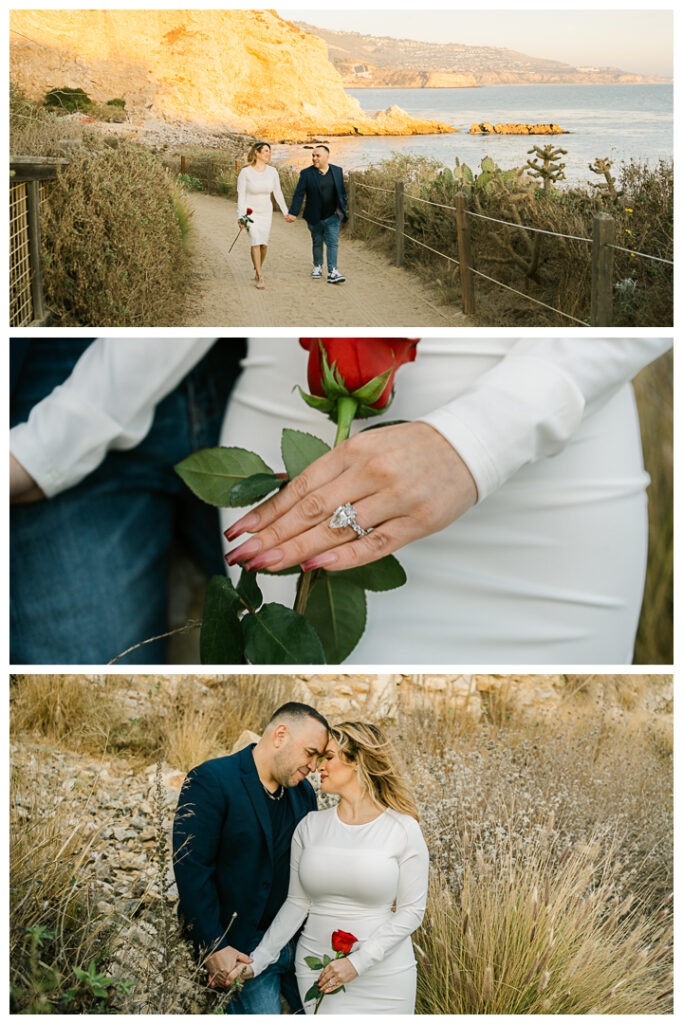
x: 345, y: 515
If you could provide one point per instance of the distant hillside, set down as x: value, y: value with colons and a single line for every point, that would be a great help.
x: 380, y: 61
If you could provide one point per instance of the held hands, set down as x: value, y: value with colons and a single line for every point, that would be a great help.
x: 290, y: 218
x: 337, y: 972
x: 406, y: 480
x: 223, y: 966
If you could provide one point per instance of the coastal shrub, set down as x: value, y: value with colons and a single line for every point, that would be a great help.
x: 113, y: 253
x: 40, y: 131
x: 68, y: 99
x: 554, y: 271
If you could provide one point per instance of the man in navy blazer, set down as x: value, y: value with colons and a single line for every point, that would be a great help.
x: 231, y: 848
x: 322, y: 185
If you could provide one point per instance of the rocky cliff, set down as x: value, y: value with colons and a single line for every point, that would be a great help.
x: 248, y: 71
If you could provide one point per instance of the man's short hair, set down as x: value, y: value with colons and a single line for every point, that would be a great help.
x: 321, y: 145
x: 293, y: 709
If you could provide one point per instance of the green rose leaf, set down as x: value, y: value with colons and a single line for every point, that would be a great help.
x: 211, y: 473
x: 336, y: 609
x: 314, y: 963
x: 300, y: 449
x: 276, y: 635
x: 372, y: 389
x: 221, y: 641
x: 313, y: 992
x: 385, y: 574
x: 248, y: 590
x: 326, y: 960
x: 255, y: 487
x: 322, y: 404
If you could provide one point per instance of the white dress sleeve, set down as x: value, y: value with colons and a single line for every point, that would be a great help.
x: 530, y: 404
x: 277, y: 192
x: 291, y: 914
x: 107, y: 402
x: 411, y: 900
x: 242, y: 192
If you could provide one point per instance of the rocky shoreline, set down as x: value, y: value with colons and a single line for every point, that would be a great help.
x: 486, y: 128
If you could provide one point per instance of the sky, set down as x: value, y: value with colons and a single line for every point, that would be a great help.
x: 640, y: 41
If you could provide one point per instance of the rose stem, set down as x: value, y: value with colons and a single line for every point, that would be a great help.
x: 346, y: 411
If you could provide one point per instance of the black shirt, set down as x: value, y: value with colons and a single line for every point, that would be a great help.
x: 282, y: 824
x: 329, y: 195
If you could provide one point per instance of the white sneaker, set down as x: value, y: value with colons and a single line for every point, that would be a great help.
x: 317, y: 272
x: 334, y: 277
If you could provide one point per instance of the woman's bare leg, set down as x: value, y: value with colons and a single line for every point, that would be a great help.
x: 256, y: 260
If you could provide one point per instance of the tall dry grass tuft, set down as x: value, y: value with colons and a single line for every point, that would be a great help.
x: 70, y: 709
x: 56, y: 929
x: 531, y: 931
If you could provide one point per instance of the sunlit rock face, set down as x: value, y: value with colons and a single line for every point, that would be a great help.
x: 249, y: 71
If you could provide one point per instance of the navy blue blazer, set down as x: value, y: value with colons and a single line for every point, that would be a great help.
x: 223, y: 850
x: 308, y: 186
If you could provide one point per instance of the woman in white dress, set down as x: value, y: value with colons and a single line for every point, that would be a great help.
x: 521, y: 489
x: 255, y: 184
x: 360, y: 867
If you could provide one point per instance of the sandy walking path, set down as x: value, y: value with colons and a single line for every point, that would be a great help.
x: 375, y: 294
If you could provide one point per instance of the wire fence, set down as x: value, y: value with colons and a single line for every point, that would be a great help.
x: 29, y: 190
x: 602, y: 243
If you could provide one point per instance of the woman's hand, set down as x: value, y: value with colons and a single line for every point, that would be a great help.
x: 337, y: 972
x: 405, y: 481
x: 22, y: 486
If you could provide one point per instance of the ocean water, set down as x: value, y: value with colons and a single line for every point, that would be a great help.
x: 621, y: 122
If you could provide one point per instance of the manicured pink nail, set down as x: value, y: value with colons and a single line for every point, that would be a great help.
x: 318, y: 561
x: 244, y: 551
x: 243, y: 525
x: 264, y: 560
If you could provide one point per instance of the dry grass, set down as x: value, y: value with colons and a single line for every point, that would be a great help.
x: 551, y: 844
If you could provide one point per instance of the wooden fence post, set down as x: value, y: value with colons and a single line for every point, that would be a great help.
x: 182, y: 164
x: 351, y: 210
x: 400, y: 222
x: 464, y: 254
x: 604, y: 234
x: 34, y: 254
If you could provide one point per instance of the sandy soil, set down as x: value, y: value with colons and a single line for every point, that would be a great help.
x: 375, y: 294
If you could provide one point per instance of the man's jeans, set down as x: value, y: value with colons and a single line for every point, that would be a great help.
x: 326, y: 231
x: 262, y: 994
x: 88, y: 568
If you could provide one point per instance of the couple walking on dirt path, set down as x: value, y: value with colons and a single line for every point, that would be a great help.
x: 321, y: 186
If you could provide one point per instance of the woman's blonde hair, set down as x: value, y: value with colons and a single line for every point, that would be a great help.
x: 380, y: 770
x: 255, y: 148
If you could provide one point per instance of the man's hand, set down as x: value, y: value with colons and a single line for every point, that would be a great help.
x: 22, y: 486
x: 290, y: 218
x: 222, y: 963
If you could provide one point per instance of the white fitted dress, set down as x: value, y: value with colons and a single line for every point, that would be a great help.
x: 548, y: 567
x: 254, y: 189
x: 349, y: 877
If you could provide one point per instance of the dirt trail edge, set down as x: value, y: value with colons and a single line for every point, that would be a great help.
x: 375, y: 293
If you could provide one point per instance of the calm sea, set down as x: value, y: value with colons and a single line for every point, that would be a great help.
x: 621, y: 122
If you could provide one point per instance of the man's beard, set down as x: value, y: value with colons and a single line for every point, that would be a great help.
x: 286, y: 773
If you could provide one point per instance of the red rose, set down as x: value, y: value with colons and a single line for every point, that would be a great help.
x: 343, y: 941
x: 249, y: 211
x: 359, y: 360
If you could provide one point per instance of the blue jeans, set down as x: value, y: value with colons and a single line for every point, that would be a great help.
x: 89, y: 567
x: 326, y: 231
x: 262, y: 994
